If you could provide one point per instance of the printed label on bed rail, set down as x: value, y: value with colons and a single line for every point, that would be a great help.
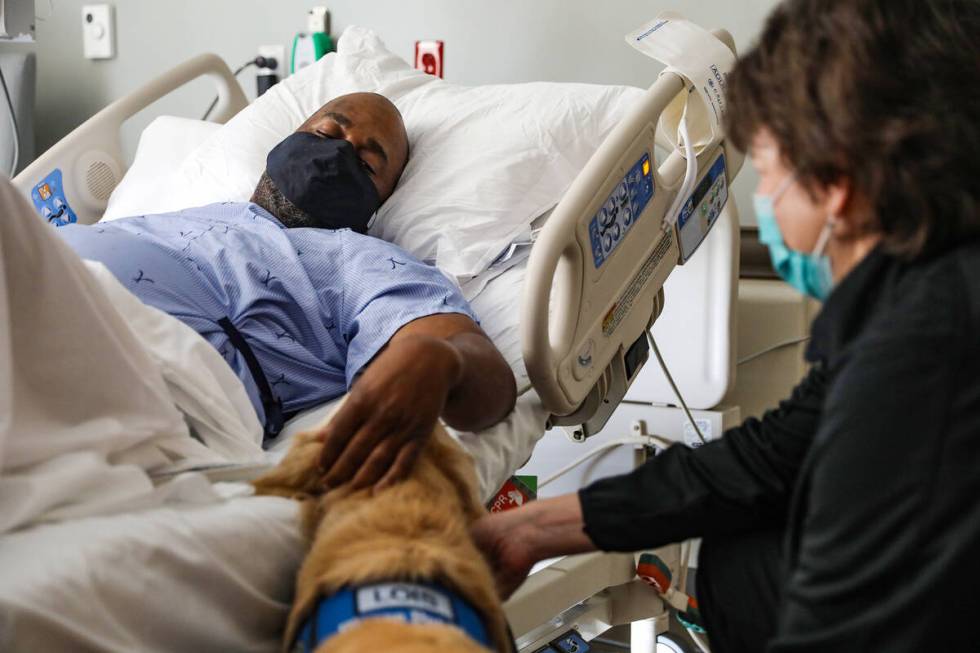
x: 621, y: 210
x: 623, y: 305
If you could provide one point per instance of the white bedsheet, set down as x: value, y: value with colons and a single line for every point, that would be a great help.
x: 216, y: 577
x: 98, y: 390
x: 212, y: 576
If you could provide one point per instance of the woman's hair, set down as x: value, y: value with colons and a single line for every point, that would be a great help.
x: 882, y: 93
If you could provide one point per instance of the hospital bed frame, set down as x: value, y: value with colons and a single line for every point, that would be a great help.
x: 91, y: 157
x: 581, y: 355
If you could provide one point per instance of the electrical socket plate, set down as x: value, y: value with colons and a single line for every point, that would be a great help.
x: 98, y: 32
x: 277, y: 52
x: 318, y: 20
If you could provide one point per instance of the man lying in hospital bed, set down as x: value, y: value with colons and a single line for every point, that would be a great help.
x: 298, y: 300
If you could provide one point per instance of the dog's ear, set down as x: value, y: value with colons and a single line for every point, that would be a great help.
x: 458, y: 467
x: 298, y: 475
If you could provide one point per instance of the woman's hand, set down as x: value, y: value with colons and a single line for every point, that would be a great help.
x: 514, y: 540
x: 500, y: 537
x: 376, y: 435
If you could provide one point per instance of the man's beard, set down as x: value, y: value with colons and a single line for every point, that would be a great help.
x: 268, y: 196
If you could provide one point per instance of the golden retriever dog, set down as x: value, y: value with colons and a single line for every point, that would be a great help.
x: 414, y: 531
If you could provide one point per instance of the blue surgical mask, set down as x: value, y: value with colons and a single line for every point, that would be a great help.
x: 808, y: 273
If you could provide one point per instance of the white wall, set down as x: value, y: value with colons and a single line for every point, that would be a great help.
x: 486, y: 42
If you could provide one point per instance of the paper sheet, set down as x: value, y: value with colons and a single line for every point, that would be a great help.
x: 699, y: 57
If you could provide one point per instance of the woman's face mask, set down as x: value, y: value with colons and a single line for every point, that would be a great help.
x: 808, y: 273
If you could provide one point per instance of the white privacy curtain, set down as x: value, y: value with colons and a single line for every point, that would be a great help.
x: 97, y: 389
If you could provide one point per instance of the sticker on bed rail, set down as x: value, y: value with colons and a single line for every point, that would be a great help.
x: 622, y: 306
x: 702, y: 209
x: 517, y: 491
x: 621, y: 210
x: 50, y: 201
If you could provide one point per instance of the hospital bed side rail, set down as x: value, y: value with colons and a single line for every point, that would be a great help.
x: 88, y: 163
x: 582, y: 350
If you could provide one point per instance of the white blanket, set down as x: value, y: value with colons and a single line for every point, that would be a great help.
x: 89, y: 377
x: 98, y: 390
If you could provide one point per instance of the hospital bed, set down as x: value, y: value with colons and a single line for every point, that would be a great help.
x: 219, y: 576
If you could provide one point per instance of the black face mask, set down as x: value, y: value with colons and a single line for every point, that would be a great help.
x: 325, y: 179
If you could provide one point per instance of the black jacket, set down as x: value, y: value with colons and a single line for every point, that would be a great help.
x: 872, y: 467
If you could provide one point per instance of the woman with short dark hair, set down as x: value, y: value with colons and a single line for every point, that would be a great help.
x: 847, y: 519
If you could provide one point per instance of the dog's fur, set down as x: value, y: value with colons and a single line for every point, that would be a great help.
x: 415, y: 530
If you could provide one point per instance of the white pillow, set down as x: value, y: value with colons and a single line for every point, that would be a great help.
x: 163, y: 146
x: 486, y: 160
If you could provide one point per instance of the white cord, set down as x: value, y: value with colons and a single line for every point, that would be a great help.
x: 698, y: 639
x: 685, y: 557
x: 644, y: 440
x: 13, y: 122
x: 690, y: 176
x: 50, y: 12
x: 670, y: 380
x: 778, y: 345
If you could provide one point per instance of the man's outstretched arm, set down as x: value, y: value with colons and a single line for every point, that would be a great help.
x: 485, y: 389
x: 435, y: 366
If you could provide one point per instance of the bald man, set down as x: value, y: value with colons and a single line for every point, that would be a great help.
x: 305, y: 307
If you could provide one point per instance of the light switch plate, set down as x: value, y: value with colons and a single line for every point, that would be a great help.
x: 98, y: 31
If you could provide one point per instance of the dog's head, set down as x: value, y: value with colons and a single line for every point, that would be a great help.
x: 416, y: 529
x: 298, y: 476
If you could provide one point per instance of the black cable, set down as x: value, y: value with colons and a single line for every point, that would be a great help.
x: 13, y: 121
x: 260, y: 61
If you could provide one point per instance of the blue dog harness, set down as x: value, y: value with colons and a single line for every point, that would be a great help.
x: 412, y: 603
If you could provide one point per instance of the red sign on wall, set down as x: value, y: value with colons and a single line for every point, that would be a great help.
x: 429, y: 57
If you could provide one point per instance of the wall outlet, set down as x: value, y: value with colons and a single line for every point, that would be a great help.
x: 318, y: 20
x: 277, y: 52
x: 98, y: 32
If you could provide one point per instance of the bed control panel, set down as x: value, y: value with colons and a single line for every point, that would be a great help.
x: 703, y: 208
x: 621, y: 210
x: 50, y: 200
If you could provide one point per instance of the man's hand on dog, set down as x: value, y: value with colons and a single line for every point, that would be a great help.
x: 376, y: 435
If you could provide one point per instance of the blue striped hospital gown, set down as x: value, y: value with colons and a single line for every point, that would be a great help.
x: 313, y: 305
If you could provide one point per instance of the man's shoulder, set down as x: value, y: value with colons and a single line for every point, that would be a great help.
x: 203, y: 211
x: 355, y: 244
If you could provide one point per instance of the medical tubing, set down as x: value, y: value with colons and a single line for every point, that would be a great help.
x: 644, y: 440
x: 670, y: 380
x: 698, y: 640
x: 13, y: 122
x: 772, y: 348
x: 690, y: 177
x: 685, y: 557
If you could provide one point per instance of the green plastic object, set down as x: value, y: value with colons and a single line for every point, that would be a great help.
x: 530, y: 482
x: 308, y: 48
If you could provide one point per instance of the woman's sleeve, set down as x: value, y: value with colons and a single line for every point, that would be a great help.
x: 739, y: 482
